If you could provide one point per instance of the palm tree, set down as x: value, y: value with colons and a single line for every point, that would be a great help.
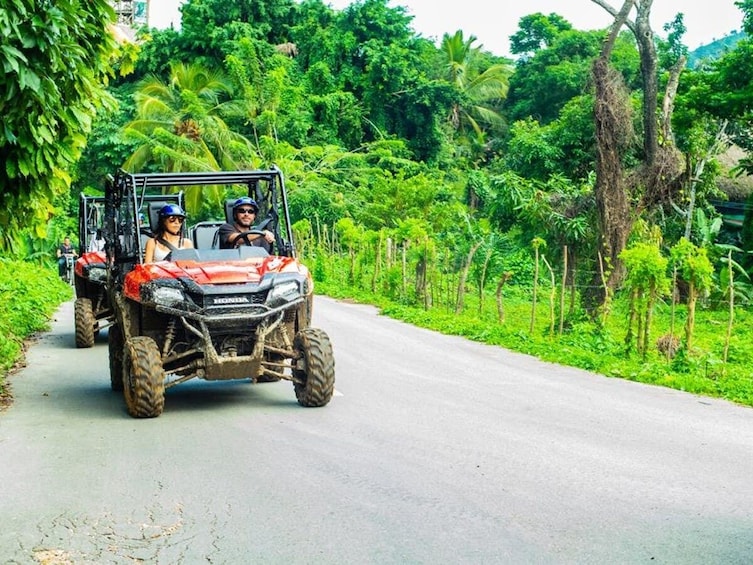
x: 482, y: 87
x: 180, y: 126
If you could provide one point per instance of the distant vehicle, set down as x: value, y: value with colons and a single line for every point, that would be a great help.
x: 92, y: 310
x: 70, y: 259
x: 210, y: 313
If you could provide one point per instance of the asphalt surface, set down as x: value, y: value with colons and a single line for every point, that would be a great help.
x: 433, y: 450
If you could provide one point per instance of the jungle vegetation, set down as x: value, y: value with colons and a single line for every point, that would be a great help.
x: 558, y: 203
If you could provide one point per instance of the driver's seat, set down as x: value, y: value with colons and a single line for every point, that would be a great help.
x: 229, y: 210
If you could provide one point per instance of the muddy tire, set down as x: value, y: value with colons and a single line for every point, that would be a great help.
x: 115, y: 344
x: 318, y: 368
x: 144, y: 383
x: 85, y: 321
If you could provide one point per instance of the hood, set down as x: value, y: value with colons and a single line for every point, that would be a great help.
x: 89, y: 259
x: 211, y: 273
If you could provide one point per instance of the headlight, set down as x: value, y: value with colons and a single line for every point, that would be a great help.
x: 97, y: 274
x: 285, y: 291
x: 167, y: 296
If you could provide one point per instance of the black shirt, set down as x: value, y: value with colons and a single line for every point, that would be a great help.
x: 226, y: 230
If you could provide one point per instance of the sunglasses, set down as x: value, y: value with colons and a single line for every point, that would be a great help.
x: 246, y: 211
x: 175, y: 219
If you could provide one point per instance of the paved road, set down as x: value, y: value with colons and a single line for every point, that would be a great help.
x: 434, y: 450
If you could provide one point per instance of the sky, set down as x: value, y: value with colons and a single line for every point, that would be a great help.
x: 492, y: 23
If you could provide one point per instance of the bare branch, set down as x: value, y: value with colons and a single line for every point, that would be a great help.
x: 629, y: 23
x: 668, y: 104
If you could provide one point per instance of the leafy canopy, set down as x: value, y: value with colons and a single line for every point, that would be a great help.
x: 56, y: 59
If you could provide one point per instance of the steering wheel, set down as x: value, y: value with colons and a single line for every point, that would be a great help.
x: 243, y: 236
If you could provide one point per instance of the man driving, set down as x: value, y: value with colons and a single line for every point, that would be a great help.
x: 241, y: 232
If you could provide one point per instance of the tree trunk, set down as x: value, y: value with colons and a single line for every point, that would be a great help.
x: 552, y: 295
x: 500, y: 304
x: 571, y: 280
x: 632, y: 316
x: 427, y: 274
x: 641, y: 319
x: 482, y: 280
x: 562, y: 290
x: 731, y: 318
x: 690, y: 321
x: 668, y: 104
x: 534, y: 298
x: 464, y: 277
x: 352, y: 270
x: 612, y: 124
x: 649, y: 318
x: 404, y: 269
x: 720, y: 143
x: 377, y: 263
x: 644, y: 37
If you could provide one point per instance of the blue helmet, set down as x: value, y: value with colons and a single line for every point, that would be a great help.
x: 247, y: 201
x: 171, y: 210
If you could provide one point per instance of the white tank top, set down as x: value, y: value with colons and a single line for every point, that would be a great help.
x: 160, y: 252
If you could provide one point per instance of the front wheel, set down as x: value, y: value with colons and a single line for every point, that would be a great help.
x: 83, y: 315
x: 69, y: 271
x: 144, y: 383
x: 316, y: 368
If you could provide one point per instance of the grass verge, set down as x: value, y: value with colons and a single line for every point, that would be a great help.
x: 29, y: 296
x: 600, y: 348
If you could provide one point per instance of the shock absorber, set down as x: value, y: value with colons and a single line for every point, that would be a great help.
x: 169, y: 337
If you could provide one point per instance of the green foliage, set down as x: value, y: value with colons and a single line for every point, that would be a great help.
x: 55, y: 62
x: 349, y: 233
x: 320, y: 200
x: 646, y: 269
x: 533, y: 150
x: 106, y: 149
x: 481, y: 90
x: 573, y: 134
x: 542, y: 84
x: 400, y: 159
x: 30, y: 295
x: 693, y: 264
x: 564, y: 147
x: 746, y: 7
x: 209, y: 24
x: 557, y: 210
x: 672, y: 50
x: 584, y: 344
x: 746, y: 233
x: 157, y: 51
x: 741, y: 288
x: 179, y: 126
x: 537, y: 31
x: 723, y: 91
x: 336, y: 118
